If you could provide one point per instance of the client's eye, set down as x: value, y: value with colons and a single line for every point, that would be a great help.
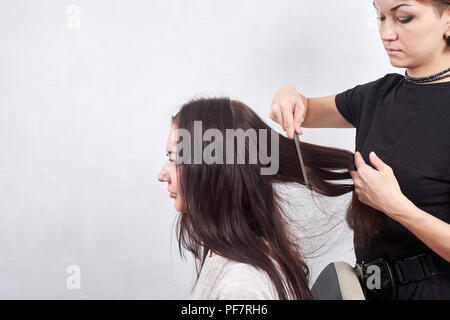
x: 172, y: 160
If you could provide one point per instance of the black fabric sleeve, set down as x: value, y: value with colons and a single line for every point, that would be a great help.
x: 351, y: 102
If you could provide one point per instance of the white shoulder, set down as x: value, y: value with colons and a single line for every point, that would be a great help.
x: 240, y: 281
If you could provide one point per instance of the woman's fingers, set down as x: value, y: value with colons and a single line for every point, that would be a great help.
x: 288, y: 120
x: 288, y: 110
x: 356, y: 178
x: 293, y: 113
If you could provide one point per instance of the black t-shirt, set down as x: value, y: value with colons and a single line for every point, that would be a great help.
x: 408, y: 126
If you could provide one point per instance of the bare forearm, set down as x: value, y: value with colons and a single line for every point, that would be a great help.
x: 322, y: 112
x: 432, y: 231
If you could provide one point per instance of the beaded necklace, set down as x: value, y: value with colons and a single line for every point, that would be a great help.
x: 434, y: 77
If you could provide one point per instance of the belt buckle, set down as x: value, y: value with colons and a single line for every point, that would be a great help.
x: 424, y: 263
x: 399, y: 273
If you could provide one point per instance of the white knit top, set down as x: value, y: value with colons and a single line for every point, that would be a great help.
x: 225, y: 279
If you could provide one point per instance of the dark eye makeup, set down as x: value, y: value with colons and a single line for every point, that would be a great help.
x: 171, y: 160
x: 406, y: 20
x: 401, y: 20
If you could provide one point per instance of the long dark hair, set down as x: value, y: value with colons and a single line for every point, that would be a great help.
x: 236, y: 212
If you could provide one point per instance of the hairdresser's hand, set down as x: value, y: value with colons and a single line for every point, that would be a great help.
x: 377, y: 187
x: 288, y: 110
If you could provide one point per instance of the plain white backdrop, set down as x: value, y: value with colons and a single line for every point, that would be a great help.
x: 87, y: 89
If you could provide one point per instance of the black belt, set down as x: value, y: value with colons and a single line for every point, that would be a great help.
x: 400, y: 272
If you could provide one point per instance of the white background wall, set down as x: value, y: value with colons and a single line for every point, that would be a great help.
x: 87, y: 89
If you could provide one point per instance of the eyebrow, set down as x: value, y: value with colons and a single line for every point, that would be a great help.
x: 394, y: 8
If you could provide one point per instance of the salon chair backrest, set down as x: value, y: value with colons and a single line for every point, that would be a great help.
x: 338, y: 281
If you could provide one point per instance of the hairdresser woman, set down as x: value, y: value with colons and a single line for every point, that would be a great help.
x: 403, y: 149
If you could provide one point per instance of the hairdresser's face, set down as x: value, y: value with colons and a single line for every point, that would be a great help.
x: 169, y: 171
x: 415, y: 28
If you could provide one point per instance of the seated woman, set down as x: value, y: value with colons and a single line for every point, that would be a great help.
x: 231, y: 218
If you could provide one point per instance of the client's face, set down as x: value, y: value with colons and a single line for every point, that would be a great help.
x: 169, y: 171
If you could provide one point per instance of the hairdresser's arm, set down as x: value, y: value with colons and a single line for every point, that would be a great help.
x: 432, y: 231
x: 379, y: 189
x: 323, y: 113
x: 292, y: 110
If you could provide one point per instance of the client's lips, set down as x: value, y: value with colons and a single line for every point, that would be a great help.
x: 172, y: 194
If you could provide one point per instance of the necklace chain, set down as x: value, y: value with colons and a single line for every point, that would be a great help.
x: 434, y: 77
